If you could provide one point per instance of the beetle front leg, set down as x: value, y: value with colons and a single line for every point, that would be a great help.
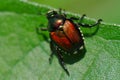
x: 60, y: 12
x: 74, y: 18
x: 61, y: 61
x: 38, y: 29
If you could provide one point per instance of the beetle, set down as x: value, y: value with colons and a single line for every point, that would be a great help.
x: 65, y: 34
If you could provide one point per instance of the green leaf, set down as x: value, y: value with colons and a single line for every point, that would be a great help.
x: 24, y: 54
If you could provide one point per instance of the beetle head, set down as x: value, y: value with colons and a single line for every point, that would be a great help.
x: 51, y: 14
x: 55, y: 20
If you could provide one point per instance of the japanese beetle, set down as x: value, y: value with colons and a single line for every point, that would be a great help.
x: 65, y: 34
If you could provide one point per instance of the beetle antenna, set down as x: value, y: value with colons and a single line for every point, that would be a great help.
x: 64, y: 13
x: 60, y: 11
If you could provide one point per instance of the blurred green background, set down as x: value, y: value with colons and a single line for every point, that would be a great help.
x: 108, y: 10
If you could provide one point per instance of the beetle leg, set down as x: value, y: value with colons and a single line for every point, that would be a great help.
x: 61, y: 61
x: 74, y: 18
x: 60, y: 12
x: 88, y: 25
x: 52, y: 49
x: 60, y: 58
x: 41, y: 29
x: 50, y: 58
x: 64, y: 13
x: 82, y: 17
x: 85, y: 25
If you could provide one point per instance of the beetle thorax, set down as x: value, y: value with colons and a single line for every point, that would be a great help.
x: 55, y: 24
x: 58, y: 23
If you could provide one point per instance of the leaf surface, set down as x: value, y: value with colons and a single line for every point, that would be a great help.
x: 24, y: 54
